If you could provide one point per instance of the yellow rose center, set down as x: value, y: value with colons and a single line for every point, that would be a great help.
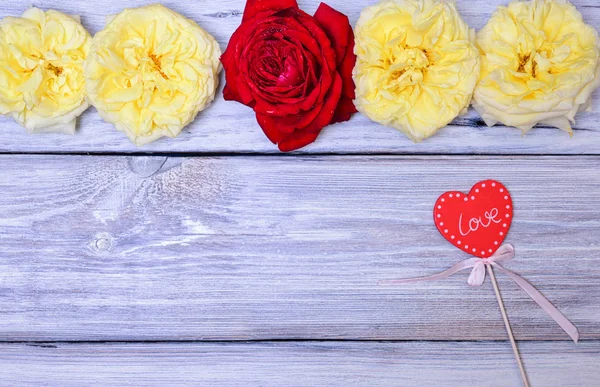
x: 156, y: 61
x: 57, y: 70
x: 406, y: 65
x: 38, y: 60
x: 537, y: 63
x: 528, y: 63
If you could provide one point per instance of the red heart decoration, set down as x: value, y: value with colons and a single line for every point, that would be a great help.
x: 476, y: 223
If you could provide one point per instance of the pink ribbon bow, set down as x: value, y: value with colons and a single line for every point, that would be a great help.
x: 505, y: 253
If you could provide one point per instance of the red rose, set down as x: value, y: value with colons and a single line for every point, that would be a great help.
x: 293, y: 69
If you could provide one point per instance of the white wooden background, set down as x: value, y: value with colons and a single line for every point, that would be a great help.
x: 212, y: 260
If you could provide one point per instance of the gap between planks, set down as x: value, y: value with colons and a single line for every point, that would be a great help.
x: 295, y: 154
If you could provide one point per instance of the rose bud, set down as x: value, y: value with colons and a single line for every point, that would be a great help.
x: 293, y: 69
x: 41, y: 70
x: 150, y: 71
x: 417, y: 65
x: 539, y: 65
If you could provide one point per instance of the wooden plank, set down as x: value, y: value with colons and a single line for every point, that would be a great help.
x: 228, y: 248
x: 231, y: 127
x: 372, y: 364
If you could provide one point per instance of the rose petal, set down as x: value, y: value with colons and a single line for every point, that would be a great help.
x: 303, y: 137
x: 331, y: 101
x: 344, y: 110
x: 297, y: 140
x: 287, y: 124
x: 337, y: 27
x: 346, y: 106
x: 230, y: 91
x: 254, y: 7
x: 270, y: 127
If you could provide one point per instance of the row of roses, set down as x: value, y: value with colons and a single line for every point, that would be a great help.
x: 410, y: 64
x: 149, y: 72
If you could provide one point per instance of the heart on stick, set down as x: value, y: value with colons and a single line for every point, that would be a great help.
x: 477, y: 222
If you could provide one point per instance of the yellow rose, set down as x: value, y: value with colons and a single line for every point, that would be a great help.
x: 41, y: 70
x: 539, y: 65
x: 416, y: 66
x: 150, y: 71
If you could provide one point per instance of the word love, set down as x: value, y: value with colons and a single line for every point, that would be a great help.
x: 473, y: 225
x: 477, y: 222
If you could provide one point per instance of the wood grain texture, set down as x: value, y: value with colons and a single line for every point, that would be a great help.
x: 373, y: 364
x: 231, y: 127
x: 270, y: 247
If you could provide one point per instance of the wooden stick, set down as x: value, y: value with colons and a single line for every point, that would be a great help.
x: 507, y: 325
